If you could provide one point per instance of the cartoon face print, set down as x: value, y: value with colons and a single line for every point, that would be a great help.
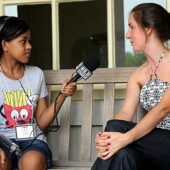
x: 17, y: 115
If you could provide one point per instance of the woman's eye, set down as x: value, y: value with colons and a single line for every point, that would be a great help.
x: 131, y: 27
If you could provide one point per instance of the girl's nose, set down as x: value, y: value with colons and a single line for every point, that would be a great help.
x: 29, y: 46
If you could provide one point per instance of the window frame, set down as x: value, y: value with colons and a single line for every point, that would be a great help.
x: 55, y: 25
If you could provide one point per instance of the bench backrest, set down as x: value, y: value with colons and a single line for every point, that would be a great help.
x: 61, y: 146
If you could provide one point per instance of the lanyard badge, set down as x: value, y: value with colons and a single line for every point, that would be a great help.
x: 25, y: 132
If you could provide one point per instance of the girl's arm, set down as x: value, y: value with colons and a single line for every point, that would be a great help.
x: 44, y: 114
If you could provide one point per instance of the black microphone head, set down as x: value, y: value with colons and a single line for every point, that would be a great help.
x: 92, y: 63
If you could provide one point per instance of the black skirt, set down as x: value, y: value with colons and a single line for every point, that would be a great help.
x: 152, y: 152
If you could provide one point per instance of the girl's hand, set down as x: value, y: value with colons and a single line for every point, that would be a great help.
x: 68, y: 89
x: 108, y: 143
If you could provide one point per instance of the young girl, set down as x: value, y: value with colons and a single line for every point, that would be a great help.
x: 23, y: 106
x: 144, y: 145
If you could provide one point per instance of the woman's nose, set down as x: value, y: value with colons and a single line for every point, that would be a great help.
x: 127, y: 35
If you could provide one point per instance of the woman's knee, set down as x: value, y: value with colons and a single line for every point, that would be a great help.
x: 32, y: 160
x: 124, y: 153
x: 127, y: 157
x: 119, y: 125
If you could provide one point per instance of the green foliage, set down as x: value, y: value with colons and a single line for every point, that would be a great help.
x: 134, y: 59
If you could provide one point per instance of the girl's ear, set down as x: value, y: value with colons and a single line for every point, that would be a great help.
x: 4, y: 45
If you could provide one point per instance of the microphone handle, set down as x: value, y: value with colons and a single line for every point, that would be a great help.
x: 74, y: 78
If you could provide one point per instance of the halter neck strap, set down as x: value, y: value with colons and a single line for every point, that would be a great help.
x: 154, y: 75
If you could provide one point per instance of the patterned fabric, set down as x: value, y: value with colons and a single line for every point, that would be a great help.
x: 150, y: 96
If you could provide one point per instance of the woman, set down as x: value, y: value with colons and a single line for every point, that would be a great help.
x: 23, y: 106
x: 144, y: 145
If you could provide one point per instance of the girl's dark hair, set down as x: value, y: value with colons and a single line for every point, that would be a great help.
x: 10, y: 28
x: 151, y: 15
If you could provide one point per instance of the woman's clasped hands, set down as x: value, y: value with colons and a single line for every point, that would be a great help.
x: 108, y: 143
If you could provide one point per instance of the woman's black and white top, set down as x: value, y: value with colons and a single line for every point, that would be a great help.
x: 150, y: 96
x: 152, y: 92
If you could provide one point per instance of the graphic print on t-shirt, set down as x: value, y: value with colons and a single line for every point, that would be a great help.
x: 17, y: 107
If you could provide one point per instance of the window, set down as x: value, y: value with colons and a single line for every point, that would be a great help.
x: 82, y: 32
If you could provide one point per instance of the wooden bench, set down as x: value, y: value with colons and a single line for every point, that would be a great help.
x: 73, y: 144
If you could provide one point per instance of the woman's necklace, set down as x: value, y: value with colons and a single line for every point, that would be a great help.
x: 154, y: 75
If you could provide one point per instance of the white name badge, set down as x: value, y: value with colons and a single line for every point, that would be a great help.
x: 25, y: 132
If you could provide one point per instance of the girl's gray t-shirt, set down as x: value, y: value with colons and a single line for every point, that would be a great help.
x: 18, y: 101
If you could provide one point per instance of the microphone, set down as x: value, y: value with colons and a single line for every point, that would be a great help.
x: 8, y: 144
x: 85, y: 69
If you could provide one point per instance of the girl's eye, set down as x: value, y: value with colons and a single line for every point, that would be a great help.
x: 23, y: 41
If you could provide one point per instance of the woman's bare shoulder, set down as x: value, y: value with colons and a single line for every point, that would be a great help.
x: 141, y: 74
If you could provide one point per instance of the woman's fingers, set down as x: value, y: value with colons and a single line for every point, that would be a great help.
x: 103, y: 154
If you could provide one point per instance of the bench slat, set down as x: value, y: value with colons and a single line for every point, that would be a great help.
x: 70, y: 168
x: 60, y: 163
x: 64, y: 129
x: 102, y: 75
x: 109, y: 93
x: 86, y: 122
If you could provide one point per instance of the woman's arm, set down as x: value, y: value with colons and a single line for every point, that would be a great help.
x: 151, y: 119
x: 128, y: 110
x: 113, y: 141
